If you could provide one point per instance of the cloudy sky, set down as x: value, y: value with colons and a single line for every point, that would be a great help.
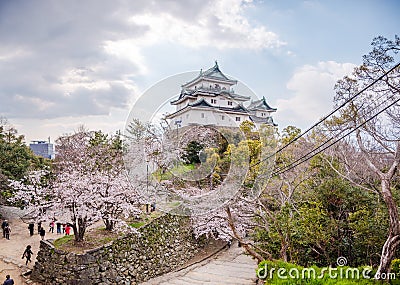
x: 68, y: 63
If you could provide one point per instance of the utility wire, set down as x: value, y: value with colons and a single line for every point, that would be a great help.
x: 332, y: 136
x: 328, y: 115
x: 305, y: 158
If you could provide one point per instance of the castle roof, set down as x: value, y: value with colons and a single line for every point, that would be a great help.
x: 213, y: 73
x: 260, y: 105
x: 201, y: 103
x: 212, y: 92
x: 260, y: 120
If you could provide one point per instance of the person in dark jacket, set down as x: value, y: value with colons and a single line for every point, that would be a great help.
x: 8, y: 281
x: 7, y: 231
x: 42, y: 233
x: 4, y: 224
x: 58, y: 227
x: 31, y: 228
x: 27, y: 254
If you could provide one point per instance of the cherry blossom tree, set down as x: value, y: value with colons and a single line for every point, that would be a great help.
x: 233, y: 221
x: 116, y: 198
x: 226, y: 210
x: 88, y: 184
x: 238, y: 217
x: 31, y: 192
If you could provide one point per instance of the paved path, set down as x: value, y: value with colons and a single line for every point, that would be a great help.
x: 11, y: 250
x: 230, y: 267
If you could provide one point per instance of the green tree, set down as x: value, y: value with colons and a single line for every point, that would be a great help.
x: 16, y: 158
x: 191, y: 152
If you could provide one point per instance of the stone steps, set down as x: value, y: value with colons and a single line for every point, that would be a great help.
x: 231, y: 267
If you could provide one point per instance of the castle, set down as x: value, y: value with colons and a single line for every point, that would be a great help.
x: 209, y: 100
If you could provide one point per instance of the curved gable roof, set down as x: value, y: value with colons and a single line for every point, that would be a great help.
x: 260, y: 105
x: 211, y: 73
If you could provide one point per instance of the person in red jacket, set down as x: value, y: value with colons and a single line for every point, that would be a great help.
x: 67, y: 230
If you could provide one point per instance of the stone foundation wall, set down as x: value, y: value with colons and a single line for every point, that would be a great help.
x: 163, y: 245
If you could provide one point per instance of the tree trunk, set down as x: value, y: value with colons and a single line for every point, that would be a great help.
x: 283, y: 251
x: 388, y: 251
x: 109, y: 225
x: 245, y: 245
x: 75, y: 229
x: 393, y: 240
x: 79, y: 229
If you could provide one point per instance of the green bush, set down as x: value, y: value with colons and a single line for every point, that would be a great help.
x: 395, y: 268
x: 283, y: 273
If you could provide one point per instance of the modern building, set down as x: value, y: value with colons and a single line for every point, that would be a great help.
x: 43, y: 148
x: 210, y: 100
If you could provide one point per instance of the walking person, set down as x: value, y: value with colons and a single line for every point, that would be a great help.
x: 67, y: 230
x: 8, y: 281
x: 7, y: 231
x: 27, y: 254
x: 31, y: 228
x: 58, y: 227
x: 42, y: 233
x: 51, y: 229
x: 3, y: 227
x: 39, y: 227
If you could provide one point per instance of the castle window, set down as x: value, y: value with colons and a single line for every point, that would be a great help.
x: 237, y: 119
x: 229, y: 103
x: 222, y: 117
x: 202, y: 115
x: 213, y: 101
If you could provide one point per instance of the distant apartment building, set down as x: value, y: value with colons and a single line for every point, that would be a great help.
x: 43, y: 148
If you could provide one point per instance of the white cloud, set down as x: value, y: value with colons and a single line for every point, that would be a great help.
x: 80, y: 61
x: 312, y: 89
x: 127, y: 49
x: 8, y: 54
x: 35, y: 103
x: 220, y: 24
x: 74, y: 57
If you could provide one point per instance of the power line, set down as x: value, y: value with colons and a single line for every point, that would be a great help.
x: 333, y: 136
x: 328, y: 115
x: 305, y: 158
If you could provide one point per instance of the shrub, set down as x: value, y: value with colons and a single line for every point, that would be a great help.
x: 395, y: 268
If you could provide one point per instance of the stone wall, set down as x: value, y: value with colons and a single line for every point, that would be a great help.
x: 163, y: 245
